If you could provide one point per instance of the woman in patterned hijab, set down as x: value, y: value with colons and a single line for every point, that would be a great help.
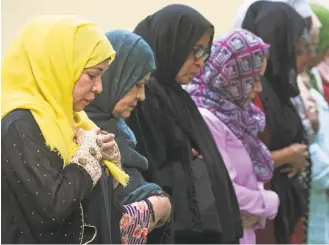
x: 223, y: 92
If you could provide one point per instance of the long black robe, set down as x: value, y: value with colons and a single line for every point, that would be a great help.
x: 41, y: 199
x: 168, y: 124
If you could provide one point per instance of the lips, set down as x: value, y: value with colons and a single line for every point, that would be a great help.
x: 192, y: 74
x: 88, y: 101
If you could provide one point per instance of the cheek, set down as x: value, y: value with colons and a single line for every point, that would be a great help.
x: 82, y: 87
x: 185, y: 68
x: 124, y: 104
x: 301, y: 63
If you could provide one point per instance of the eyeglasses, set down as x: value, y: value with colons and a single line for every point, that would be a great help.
x: 199, y: 52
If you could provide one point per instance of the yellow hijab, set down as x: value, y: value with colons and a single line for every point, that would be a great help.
x: 39, y: 72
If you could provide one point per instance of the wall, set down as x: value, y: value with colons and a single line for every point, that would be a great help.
x: 108, y: 14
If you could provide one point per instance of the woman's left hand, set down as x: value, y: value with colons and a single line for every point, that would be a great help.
x: 107, y: 141
x: 108, y: 146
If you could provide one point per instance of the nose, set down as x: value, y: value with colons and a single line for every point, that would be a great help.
x: 141, y: 94
x: 258, y: 87
x: 98, y: 87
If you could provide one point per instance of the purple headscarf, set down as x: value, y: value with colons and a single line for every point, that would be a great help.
x: 225, y: 86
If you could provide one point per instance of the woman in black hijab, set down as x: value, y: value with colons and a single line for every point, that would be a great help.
x: 282, y: 27
x: 171, y: 133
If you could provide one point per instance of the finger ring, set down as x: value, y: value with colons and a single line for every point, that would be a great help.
x: 104, y: 132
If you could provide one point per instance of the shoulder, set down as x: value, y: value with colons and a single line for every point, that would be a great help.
x: 210, y: 118
x: 213, y: 121
x: 21, y: 121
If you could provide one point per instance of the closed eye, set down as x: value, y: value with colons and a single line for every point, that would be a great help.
x: 139, y: 85
x: 91, y: 76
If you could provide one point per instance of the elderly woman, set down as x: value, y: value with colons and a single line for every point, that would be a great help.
x: 171, y: 133
x: 123, y: 85
x: 223, y: 92
x: 54, y: 186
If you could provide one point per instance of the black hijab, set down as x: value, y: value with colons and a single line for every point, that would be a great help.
x: 282, y: 27
x: 134, y: 60
x: 168, y: 124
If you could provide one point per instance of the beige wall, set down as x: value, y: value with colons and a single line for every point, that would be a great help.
x: 108, y: 14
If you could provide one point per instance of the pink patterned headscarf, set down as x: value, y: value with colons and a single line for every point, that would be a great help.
x: 225, y: 86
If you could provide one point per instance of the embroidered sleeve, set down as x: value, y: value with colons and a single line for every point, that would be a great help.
x: 88, y: 156
x: 135, y: 223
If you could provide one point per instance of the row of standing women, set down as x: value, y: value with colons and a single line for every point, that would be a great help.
x: 165, y: 135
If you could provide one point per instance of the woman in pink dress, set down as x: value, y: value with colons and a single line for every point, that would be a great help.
x: 223, y: 92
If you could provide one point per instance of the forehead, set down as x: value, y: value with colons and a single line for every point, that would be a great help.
x: 100, y: 66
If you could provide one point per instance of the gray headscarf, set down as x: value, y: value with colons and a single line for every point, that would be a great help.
x: 134, y: 60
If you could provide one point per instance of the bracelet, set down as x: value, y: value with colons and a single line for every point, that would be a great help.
x: 150, y: 206
x: 160, y: 223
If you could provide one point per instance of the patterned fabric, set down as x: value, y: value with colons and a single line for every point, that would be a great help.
x: 225, y: 87
x: 135, y: 223
x: 88, y: 156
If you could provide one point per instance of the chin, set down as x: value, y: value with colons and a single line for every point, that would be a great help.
x: 78, y: 108
x: 125, y: 114
x: 185, y: 81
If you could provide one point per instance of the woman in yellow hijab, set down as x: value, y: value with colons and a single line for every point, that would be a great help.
x: 53, y: 188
